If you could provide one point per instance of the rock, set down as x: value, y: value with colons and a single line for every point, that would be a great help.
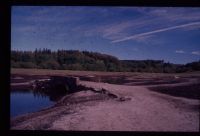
x: 124, y: 99
x: 103, y: 91
x: 112, y: 95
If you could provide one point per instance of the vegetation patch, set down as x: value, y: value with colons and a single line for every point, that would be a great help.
x: 92, y: 61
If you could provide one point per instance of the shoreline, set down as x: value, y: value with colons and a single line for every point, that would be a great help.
x: 115, y: 107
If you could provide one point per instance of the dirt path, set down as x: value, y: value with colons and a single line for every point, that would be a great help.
x: 146, y: 111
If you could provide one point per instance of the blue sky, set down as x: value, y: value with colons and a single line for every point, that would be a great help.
x: 160, y: 33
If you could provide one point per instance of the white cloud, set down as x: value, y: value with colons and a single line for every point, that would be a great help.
x: 174, y: 14
x: 115, y: 30
x: 153, y: 17
x: 156, y: 31
x: 179, y: 51
x: 196, y: 52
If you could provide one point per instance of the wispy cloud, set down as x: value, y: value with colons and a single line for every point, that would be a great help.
x: 149, y: 19
x: 196, y: 52
x: 156, y: 31
x: 172, y: 14
x: 112, y: 28
x: 180, y: 51
x: 97, y: 28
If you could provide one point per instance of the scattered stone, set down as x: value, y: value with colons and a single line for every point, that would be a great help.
x: 103, y: 91
x: 112, y: 95
x: 124, y: 99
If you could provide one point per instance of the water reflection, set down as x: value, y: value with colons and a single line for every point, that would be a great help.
x: 25, y: 101
x: 54, y: 94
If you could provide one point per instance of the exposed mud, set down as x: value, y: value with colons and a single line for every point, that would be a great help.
x: 191, y: 91
x: 165, y: 103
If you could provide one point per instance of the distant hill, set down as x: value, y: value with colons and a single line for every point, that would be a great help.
x: 92, y: 61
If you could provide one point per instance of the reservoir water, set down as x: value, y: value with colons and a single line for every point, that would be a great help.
x: 22, y: 102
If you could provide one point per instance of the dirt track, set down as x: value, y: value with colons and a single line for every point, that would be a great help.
x: 146, y: 111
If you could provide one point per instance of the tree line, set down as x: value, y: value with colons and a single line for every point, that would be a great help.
x: 92, y: 61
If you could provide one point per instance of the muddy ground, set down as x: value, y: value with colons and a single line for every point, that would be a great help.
x: 129, y: 102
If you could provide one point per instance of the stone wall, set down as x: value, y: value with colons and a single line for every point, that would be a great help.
x: 58, y: 83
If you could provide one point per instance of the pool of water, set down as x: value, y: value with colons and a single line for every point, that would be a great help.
x: 22, y: 102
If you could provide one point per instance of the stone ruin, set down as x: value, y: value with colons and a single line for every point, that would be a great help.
x: 57, y: 82
x: 56, y: 86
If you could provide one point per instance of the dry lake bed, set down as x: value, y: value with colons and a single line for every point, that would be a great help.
x: 107, y: 101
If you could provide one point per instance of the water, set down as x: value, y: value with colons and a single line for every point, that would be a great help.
x: 22, y: 102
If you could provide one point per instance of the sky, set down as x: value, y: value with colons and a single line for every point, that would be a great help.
x: 171, y: 34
